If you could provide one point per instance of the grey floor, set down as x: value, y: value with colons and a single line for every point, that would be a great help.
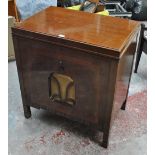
x: 46, y: 134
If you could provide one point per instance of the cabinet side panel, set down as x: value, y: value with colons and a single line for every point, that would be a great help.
x: 124, y: 73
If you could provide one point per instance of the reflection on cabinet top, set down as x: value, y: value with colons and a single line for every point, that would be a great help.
x: 91, y: 29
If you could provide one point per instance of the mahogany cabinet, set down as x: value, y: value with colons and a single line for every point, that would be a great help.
x: 75, y: 64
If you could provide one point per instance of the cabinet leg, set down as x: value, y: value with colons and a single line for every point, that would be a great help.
x: 106, y: 131
x: 105, y: 139
x: 123, y: 105
x: 27, y: 111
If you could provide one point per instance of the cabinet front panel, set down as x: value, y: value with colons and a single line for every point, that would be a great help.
x: 62, y: 79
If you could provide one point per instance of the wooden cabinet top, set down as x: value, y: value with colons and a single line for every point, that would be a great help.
x: 112, y: 33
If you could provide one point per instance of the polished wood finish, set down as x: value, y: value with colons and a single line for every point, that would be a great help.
x: 96, y: 52
x: 82, y: 27
x: 12, y: 9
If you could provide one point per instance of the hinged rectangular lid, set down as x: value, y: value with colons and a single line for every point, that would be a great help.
x: 105, y: 32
